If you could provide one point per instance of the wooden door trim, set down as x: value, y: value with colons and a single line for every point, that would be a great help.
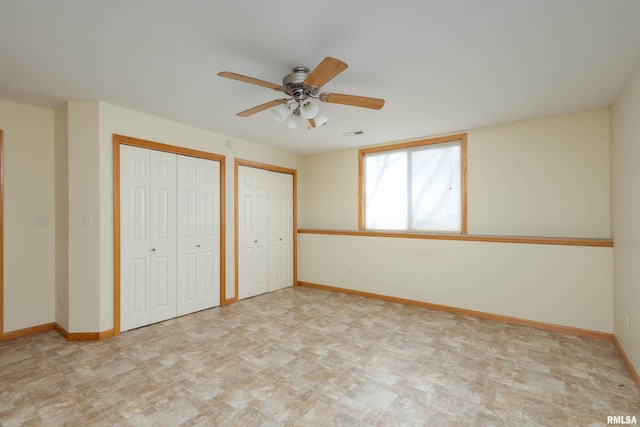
x: 1, y: 235
x: 136, y: 142
x: 294, y: 235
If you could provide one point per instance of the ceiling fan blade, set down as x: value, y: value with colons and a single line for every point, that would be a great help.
x: 356, y: 101
x: 247, y: 79
x: 312, y: 123
x: 325, y: 71
x: 261, y: 107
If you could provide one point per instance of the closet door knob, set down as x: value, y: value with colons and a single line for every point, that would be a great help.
x: 153, y: 249
x: 255, y: 241
x: 197, y: 246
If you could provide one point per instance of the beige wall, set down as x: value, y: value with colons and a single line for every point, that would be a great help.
x: 64, y: 272
x: 545, y: 177
x: 84, y: 200
x: 329, y: 191
x: 29, y: 189
x: 61, y: 295
x: 625, y: 192
x: 566, y: 285
x: 563, y: 285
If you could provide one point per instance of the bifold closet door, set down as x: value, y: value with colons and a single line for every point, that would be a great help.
x: 280, y: 231
x: 265, y: 231
x: 198, y: 221
x: 147, y: 236
x: 253, y: 261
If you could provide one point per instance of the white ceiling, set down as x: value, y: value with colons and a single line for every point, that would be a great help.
x: 442, y: 65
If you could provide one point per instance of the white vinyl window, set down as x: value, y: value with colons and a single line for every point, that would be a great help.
x: 414, y: 188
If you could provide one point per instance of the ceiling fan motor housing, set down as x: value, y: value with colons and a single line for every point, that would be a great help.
x: 293, y: 84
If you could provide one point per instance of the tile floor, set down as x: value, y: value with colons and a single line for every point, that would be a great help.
x: 304, y: 357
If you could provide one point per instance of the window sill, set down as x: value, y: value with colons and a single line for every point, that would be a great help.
x: 566, y: 241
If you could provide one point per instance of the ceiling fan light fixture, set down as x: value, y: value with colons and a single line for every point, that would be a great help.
x: 293, y: 121
x: 309, y: 108
x: 320, y: 119
x: 281, y: 113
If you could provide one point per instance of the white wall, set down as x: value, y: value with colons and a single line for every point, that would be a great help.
x: 545, y: 177
x: 625, y: 196
x: 121, y: 121
x: 29, y: 189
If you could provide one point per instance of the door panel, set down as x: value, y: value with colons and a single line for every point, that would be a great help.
x: 198, y: 228
x: 187, y: 185
x: 260, y: 235
x: 209, y: 234
x: 209, y: 271
x: 160, y: 209
x: 139, y: 287
x: 280, y: 231
x: 134, y: 237
x: 191, y: 214
x: 246, y: 252
x: 138, y: 213
x: 162, y: 285
x: 190, y: 278
x: 162, y: 215
x: 253, y: 270
x: 209, y: 208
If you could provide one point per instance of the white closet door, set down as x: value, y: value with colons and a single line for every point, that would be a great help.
x: 147, y: 236
x: 252, y: 232
x: 198, y: 221
x: 280, y: 231
x: 163, y: 235
x: 134, y: 237
x: 209, y: 286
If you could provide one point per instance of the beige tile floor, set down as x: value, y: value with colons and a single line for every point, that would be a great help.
x: 314, y: 358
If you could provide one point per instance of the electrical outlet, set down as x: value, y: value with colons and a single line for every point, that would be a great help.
x: 349, y: 270
x: 628, y: 320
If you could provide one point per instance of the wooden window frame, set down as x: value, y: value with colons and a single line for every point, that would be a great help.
x: 462, y: 137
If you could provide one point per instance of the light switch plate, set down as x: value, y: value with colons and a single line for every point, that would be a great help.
x: 40, y: 221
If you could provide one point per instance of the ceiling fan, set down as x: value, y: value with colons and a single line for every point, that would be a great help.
x: 303, y: 88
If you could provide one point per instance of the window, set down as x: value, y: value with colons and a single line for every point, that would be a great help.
x: 417, y: 186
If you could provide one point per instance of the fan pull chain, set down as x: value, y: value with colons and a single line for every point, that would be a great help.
x: 301, y: 143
